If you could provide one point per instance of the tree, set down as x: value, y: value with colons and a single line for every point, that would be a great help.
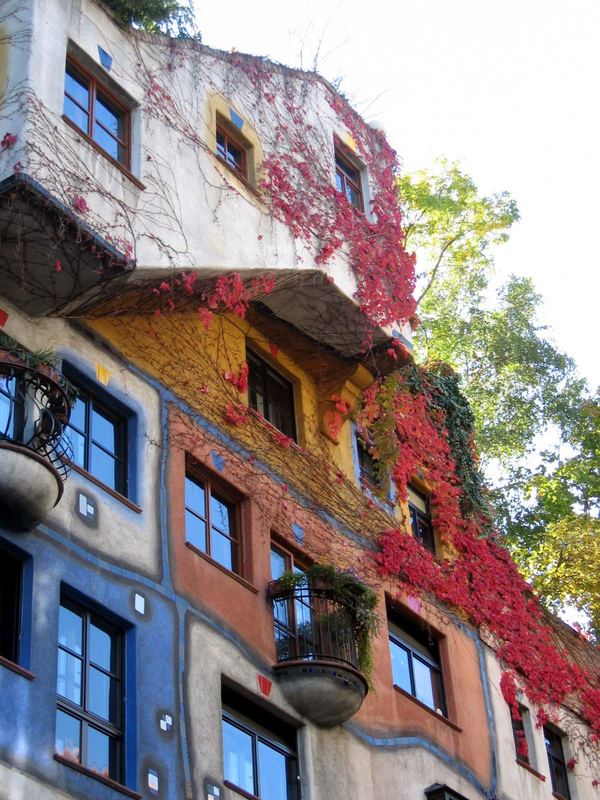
x: 519, y: 385
x: 156, y: 16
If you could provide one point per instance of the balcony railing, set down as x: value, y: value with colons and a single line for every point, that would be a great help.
x: 312, y: 625
x: 34, y: 409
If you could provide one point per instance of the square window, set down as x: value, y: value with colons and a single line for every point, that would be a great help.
x: 416, y: 664
x: 89, y: 688
x: 11, y: 587
x: 98, y: 436
x: 420, y: 518
x: 91, y: 108
x: 556, y: 760
x: 348, y: 180
x: 271, y: 395
x: 233, y: 149
x: 212, y: 522
x: 259, y: 751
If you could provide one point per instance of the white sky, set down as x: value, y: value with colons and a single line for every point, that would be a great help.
x: 509, y: 87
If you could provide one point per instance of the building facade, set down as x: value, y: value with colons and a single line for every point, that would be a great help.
x: 195, y: 259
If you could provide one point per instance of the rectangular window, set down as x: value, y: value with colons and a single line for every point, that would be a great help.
x: 416, y: 665
x: 212, y: 522
x: 366, y: 464
x: 89, y: 686
x: 232, y: 151
x: 100, y: 116
x: 347, y: 179
x: 259, y: 751
x: 293, y: 619
x: 520, y: 736
x: 11, y: 579
x: 99, y: 439
x: 271, y: 395
x: 556, y: 760
x: 420, y: 518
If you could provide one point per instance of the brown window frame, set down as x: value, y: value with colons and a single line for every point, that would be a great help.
x: 93, y: 86
x: 240, y: 144
x: 342, y: 167
x: 209, y: 487
x: 419, y: 517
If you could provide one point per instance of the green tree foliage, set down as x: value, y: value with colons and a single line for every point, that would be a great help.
x: 156, y: 16
x: 521, y: 388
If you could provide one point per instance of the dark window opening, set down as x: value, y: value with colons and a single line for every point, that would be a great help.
x: 271, y: 395
x: 347, y: 178
x: 92, y: 109
x: 212, y: 523
x: 366, y: 465
x: 232, y: 152
x: 11, y: 578
x: 416, y: 664
x: 520, y: 736
x: 89, y: 687
x: 420, y: 518
x: 556, y: 760
x: 259, y: 751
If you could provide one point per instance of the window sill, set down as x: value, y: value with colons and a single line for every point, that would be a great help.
x: 275, y: 431
x: 223, y: 569
x: 533, y: 771
x: 96, y: 776
x: 239, y: 791
x: 241, y: 178
x: 6, y: 662
x: 433, y: 713
x: 112, y: 492
x: 129, y: 175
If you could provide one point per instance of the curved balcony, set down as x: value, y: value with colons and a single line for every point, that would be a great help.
x: 34, y: 452
x: 317, y: 662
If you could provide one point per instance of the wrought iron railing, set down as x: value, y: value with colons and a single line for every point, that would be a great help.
x: 34, y: 409
x: 312, y: 625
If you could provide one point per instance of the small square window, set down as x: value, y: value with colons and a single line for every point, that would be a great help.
x: 259, y: 751
x: 212, y: 522
x: 348, y: 180
x: 416, y: 664
x: 271, y: 395
x: 420, y: 518
x: 89, y: 688
x: 556, y: 760
x: 11, y: 585
x: 98, y: 435
x: 90, y: 106
x: 232, y: 149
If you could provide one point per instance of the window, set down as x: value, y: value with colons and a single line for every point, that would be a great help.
x: 232, y: 151
x: 520, y: 736
x: 420, y: 518
x: 89, y: 685
x: 437, y: 791
x: 366, y: 464
x: 259, y: 758
x: 347, y: 179
x: 212, y: 523
x: 11, y: 576
x: 95, y: 112
x: 293, y: 619
x: 98, y: 435
x: 271, y: 395
x: 416, y: 665
x: 556, y: 760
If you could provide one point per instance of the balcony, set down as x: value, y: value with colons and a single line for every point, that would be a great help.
x: 34, y: 452
x: 317, y: 641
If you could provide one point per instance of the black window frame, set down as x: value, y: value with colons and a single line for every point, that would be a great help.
x: 553, y: 741
x: 421, y: 520
x: 86, y: 718
x: 406, y: 635
x: 210, y: 487
x: 11, y: 605
x: 243, y: 715
x: 260, y: 369
x: 93, y: 401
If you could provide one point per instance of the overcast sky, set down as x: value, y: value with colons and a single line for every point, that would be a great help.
x: 509, y: 87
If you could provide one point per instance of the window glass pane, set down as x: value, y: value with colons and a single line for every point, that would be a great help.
x: 70, y: 627
x: 400, y: 666
x: 102, y: 649
x: 194, y: 496
x: 77, y: 86
x: 68, y: 676
x: 195, y: 531
x: 104, y: 467
x: 102, y: 695
x: 77, y: 417
x: 223, y: 550
x: 220, y: 144
x: 67, y: 736
x: 78, y: 444
x: 105, y: 431
x: 221, y: 515
x: 423, y: 683
x: 111, y: 118
x: 272, y: 772
x: 101, y: 753
x: 339, y: 182
x: 76, y: 114
x: 237, y: 755
x: 560, y: 781
x: 278, y: 564
x: 235, y: 156
x: 7, y: 389
x: 106, y: 141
